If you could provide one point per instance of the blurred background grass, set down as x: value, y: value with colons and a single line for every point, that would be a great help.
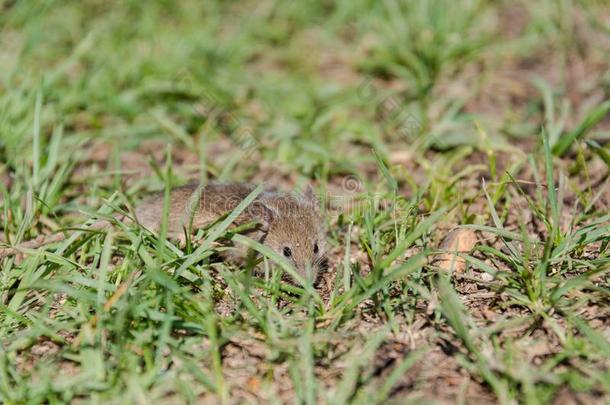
x: 290, y: 73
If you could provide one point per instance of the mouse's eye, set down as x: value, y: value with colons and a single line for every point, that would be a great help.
x: 287, y: 252
x: 315, y: 248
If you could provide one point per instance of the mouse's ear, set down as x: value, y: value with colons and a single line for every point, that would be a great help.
x: 262, y: 213
x: 310, y: 198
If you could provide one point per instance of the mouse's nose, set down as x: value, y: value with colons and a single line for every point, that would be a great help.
x: 308, y: 270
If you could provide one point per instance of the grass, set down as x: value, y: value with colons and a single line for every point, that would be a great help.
x: 410, y: 118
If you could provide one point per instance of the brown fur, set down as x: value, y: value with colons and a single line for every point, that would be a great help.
x: 285, y: 221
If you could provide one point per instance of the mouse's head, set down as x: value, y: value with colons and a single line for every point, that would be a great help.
x: 295, y: 230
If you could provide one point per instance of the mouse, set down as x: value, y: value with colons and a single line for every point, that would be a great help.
x: 288, y: 223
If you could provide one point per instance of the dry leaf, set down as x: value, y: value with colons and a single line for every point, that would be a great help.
x: 457, y: 241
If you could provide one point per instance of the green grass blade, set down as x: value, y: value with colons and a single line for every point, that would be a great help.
x: 592, y: 119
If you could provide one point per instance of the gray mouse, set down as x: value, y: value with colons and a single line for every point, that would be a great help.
x: 290, y: 225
